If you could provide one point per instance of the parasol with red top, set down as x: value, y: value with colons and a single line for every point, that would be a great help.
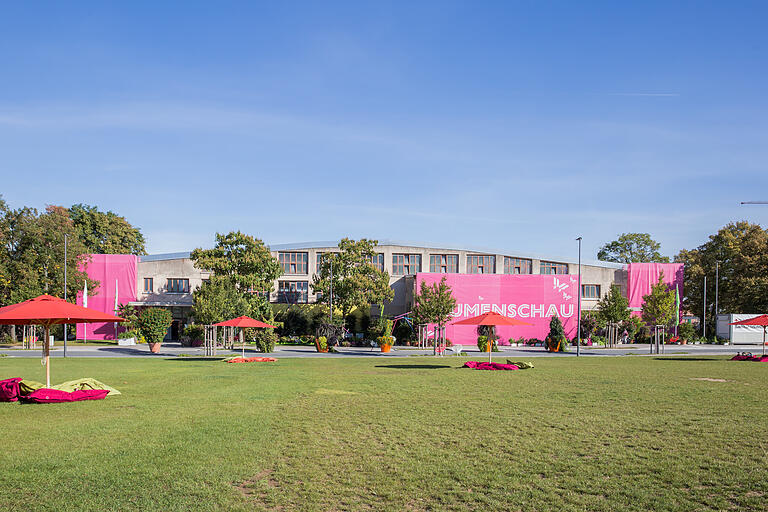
x: 491, y: 318
x: 47, y: 310
x: 244, y: 322
x: 761, y: 320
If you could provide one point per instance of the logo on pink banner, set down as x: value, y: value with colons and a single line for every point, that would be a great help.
x: 531, y: 298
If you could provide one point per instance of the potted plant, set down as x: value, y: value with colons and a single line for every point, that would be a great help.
x: 321, y: 344
x: 153, y: 325
x: 386, y: 340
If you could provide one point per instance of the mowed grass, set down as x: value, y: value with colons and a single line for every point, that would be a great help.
x: 631, y: 433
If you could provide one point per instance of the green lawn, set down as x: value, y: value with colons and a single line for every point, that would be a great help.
x: 629, y: 433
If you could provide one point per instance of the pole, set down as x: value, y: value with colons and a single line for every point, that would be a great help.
x: 578, y: 291
x: 47, y: 352
x: 717, y: 283
x: 242, y: 340
x: 330, y: 312
x: 65, y: 291
x: 704, y: 312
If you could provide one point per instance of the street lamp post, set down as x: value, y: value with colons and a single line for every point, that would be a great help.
x: 65, y: 292
x: 704, y: 311
x: 578, y: 315
x: 330, y: 312
x: 717, y: 285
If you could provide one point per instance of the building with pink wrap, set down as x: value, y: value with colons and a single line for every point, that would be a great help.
x: 523, y: 285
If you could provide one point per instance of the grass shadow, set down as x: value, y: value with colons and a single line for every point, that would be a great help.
x: 414, y: 366
x: 683, y: 358
x: 195, y: 358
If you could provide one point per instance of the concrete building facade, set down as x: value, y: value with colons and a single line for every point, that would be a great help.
x: 168, y: 280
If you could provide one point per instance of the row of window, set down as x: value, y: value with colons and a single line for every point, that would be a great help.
x: 173, y: 285
x: 297, y: 292
x: 409, y: 264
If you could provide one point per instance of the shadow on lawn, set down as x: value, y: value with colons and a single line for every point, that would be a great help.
x: 683, y: 358
x: 414, y: 366
x: 195, y: 358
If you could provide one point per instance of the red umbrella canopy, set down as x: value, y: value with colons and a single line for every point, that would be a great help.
x: 243, y: 321
x: 48, y: 310
x: 758, y: 320
x: 491, y: 319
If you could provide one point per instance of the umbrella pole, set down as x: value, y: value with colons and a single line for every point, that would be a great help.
x: 242, y: 340
x: 764, y: 339
x: 47, y: 352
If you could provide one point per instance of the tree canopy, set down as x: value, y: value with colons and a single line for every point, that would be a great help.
x: 434, y: 303
x: 659, y: 305
x: 632, y: 248
x: 242, y: 272
x: 357, y: 283
x: 105, y: 232
x: 614, y: 307
x: 32, y: 254
x: 740, y: 250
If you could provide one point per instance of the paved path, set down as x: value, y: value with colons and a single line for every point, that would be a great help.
x: 175, y: 349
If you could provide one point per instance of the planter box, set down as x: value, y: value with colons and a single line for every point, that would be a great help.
x: 126, y: 342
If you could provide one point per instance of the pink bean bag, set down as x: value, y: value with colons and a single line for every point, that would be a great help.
x: 55, y: 396
x: 9, y: 390
x: 479, y: 365
x: 743, y: 357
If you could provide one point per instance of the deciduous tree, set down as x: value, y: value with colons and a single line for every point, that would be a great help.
x: 659, y: 305
x: 105, y: 232
x: 240, y: 265
x: 740, y: 249
x: 357, y: 283
x: 632, y: 248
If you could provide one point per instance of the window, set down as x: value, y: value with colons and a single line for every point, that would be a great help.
x: 293, y: 262
x: 406, y: 264
x: 377, y: 260
x: 320, y: 259
x: 590, y: 291
x: 517, y: 266
x: 444, y: 263
x: 550, y: 267
x: 292, y: 292
x: 477, y: 264
x: 177, y: 285
x: 147, y: 285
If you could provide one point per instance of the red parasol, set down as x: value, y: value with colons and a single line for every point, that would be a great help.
x: 47, y: 310
x: 243, y: 322
x: 761, y: 320
x: 490, y: 319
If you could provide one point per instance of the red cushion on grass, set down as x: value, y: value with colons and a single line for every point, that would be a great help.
x: 480, y: 365
x: 55, y: 396
x: 9, y: 389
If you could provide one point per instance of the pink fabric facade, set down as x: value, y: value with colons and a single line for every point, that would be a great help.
x: 531, y: 298
x: 641, y: 276
x: 109, y: 270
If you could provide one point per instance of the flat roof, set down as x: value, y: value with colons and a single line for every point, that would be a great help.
x: 323, y: 244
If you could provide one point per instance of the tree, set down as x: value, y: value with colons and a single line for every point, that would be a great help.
x: 240, y: 265
x: 632, y: 248
x: 32, y: 254
x: 218, y: 300
x: 741, y: 248
x: 105, y: 233
x: 357, y: 283
x: 434, y: 303
x: 614, y: 307
x: 659, y: 305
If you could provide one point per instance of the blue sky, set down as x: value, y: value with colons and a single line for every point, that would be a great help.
x: 516, y: 125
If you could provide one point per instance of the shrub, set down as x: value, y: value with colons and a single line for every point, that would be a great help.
x: 154, y: 324
x: 133, y: 333
x: 556, y: 339
x: 195, y: 332
x: 265, y: 340
x: 322, y: 343
x: 687, y: 331
x: 482, y: 344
